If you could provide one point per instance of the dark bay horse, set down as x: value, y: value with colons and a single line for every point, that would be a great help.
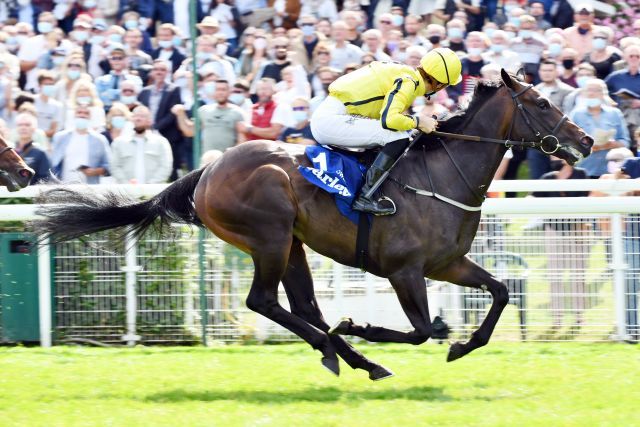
x: 254, y: 198
x: 14, y: 172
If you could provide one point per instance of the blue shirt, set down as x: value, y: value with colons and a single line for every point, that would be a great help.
x: 622, y: 79
x: 610, y: 118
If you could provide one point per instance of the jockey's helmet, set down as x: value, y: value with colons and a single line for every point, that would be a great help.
x: 443, y: 65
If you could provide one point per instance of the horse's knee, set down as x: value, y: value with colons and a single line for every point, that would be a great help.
x: 501, y: 295
x: 259, y: 303
x: 418, y: 337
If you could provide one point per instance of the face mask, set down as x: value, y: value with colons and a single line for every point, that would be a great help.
x: 526, y: 34
x: 308, y: 30
x: 397, y: 20
x: 57, y: 60
x: 203, y: 56
x: 165, y: 44
x: 582, y: 80
x: 83, y: 100
x: 131, y: 24
x: 593, y: 102
x: 177, y: 41
x: 474, y: 51
x: 583, y: 31
x: 48, y: 90
x: 96, y: 40
x: 509, y: 7
x: 128, y: 99
x: 434, y: 39
x: 489, y: 32
x: 236, y: 98
x: 556, y: 165
x: 555, y: 49
x: 115, y: 38
x: 118, y: 122
x: 514, y: 20
x: 100, y: 21
x: 300, y: 116
x: 599, y: 44
x: 81, y: 123
x: 89, y: 4
x: 259, y: 43
x: 510, y: 34
x: 81, y: 36
x: 454, y: 33
x: 568, y: 63
x: 210, y: 88
x: 221, y: 49
x: 11, y: 41
x: 45, y: 27
x: 497, y: 48
x: 73, y: 74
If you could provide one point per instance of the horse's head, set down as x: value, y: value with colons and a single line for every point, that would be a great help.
x: 14, y: 172
x: 536, y: 119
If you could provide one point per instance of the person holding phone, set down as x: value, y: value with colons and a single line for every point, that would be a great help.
x: 80, y: 154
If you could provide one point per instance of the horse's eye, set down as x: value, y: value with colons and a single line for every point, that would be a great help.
x: 543, y: 104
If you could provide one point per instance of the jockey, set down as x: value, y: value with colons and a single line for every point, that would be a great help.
x: 366, y: 108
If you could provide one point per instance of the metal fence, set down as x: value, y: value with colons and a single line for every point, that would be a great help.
x: 572, y: 266
x: 558, y: 270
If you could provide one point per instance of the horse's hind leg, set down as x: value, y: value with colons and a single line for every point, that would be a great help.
x: 465, y: 272
x: 298, y: 284
x: 411, y: 289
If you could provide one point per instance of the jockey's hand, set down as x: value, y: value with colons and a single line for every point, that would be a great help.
x: 427, y: 123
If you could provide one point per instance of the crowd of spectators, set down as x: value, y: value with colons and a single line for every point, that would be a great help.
x: 95, y: 89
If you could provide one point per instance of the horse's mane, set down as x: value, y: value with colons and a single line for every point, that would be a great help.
x: 454, y: 122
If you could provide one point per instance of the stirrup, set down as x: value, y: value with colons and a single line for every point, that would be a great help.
x: 390, y: 201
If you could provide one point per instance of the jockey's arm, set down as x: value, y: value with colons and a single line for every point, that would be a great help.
x: 396, y: 102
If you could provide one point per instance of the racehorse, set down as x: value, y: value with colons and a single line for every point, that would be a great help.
x: 254, y: 198
x: 14, y: 172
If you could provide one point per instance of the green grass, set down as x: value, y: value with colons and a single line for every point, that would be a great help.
x: 500, y: 385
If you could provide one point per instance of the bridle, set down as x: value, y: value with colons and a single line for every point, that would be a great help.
x: 526, y: 114
x: 548, y: 144
x: 5, y: 149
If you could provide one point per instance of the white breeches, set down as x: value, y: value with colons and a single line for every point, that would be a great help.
x: 332, y: 125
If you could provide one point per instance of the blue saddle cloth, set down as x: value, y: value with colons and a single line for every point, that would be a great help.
x: 336, y: 173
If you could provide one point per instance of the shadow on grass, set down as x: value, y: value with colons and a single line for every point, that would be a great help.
x: 323, y: 394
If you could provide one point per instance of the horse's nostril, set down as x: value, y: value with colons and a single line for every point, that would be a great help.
x: 587, y: 141
x: 26, y: 173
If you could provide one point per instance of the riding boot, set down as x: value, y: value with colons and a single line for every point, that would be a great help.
x: 376, y: 175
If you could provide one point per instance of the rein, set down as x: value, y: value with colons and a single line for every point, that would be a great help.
x: 526, y: 114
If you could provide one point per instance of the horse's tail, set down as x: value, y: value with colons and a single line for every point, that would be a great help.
x: 70, y: 214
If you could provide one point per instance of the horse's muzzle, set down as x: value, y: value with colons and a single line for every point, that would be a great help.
x: 586, y: 142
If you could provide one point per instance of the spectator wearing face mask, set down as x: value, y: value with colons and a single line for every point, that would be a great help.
x: 603, y: 55
x: 168, y: 43
x: 108, y: 86
x: 500, y: 54
x: 476, y: 43
x: 580, y: 35
x: 80, y: 154
x: 49, y: 111
x: 455, y: 35
x: 118, y: 122
x: 529, y: 45
x: 602, y: 121
x: 142, y: 156
x: 83, y: 94
x: 303, y: 48
x: 300, y: 133
x: 568, y: 59
x: 240, y: 96
x: 584, y: 73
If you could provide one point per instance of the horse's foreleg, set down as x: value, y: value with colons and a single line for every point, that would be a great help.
x: 465, y: 272
x: 298, y: 284
x: 412, y: 293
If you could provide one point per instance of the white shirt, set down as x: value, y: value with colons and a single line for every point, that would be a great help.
x: 76, y: 155
x: 140, y: 176
x: 223, y: 14
x: 181, y: 16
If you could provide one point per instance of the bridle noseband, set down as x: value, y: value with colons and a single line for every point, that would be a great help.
x: 527, y: 115
x: 5, y: 149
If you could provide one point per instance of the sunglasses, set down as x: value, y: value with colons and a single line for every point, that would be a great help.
x: 634, y: 56
x: 282, y: 47
x: 323, y: 53
x: 116, y: 58
x: 386, y: 22
x: 75, y: 66
x: 300, y: 108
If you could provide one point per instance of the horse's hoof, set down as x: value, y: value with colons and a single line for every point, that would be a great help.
x: 332, y: 365
x: 456, y: 351
x: 342, y: 327
x: 379, y: 373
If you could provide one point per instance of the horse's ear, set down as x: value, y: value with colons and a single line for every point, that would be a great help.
x: 506, y: 78
x: 521, y: 74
